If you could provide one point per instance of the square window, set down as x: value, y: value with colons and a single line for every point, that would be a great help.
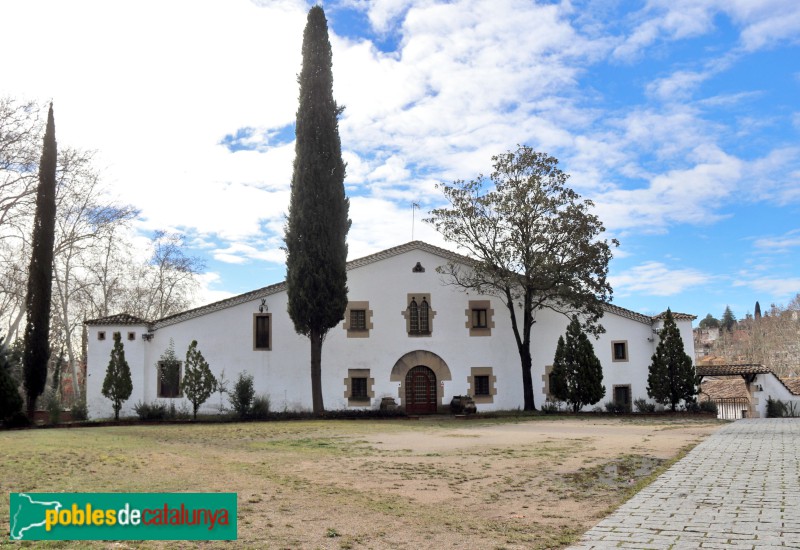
x: 262, y: 337
x: 479, y: 318
x: 358, y: 388
x: 358, y: 319
x: 620, y: 351
x: 131, y: 336
x: 169, y: 379
x: 482, y: 385
x: 101, y: 335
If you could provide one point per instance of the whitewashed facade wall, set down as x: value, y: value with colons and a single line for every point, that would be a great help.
x: 225, y: 337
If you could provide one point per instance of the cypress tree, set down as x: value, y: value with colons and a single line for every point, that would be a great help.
x: 317, y: 226
x: 577, y: 372
x: 117, y: 385
x: 758, y: 310
x: 36, y: 350
x: 10, y: 400
x: 671, y: 376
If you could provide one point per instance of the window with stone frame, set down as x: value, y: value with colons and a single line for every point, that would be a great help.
x: 619, y: 350
x: 419, y: 316
x: 359, y: 387
x: 358, y: 319
x: 482, y: 384
x: 480, y: 316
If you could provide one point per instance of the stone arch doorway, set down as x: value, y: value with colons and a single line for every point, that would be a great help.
x: 420, y: 391
x: 424, y: 384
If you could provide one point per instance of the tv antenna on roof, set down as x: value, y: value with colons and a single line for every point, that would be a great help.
x: 414, y: 206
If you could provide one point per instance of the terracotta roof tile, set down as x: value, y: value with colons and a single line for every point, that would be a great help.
x: 725, y: 388
x: 728, y: 370
x: 792, y: 384
x: 118, y: 319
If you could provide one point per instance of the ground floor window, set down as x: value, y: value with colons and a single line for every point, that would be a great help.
x: 169, y: 379
x: 482, y: 384
x: 359, y: 388
x: 622, y: 396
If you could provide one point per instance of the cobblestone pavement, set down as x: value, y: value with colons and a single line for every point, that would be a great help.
x: 740, y: 488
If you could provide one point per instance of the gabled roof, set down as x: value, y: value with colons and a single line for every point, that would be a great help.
x: 353, y: 264
x: 676, y: 316
x: 792, y: 384
x: 118, y: 319
x: 731, y: 370
x: 725, y: 388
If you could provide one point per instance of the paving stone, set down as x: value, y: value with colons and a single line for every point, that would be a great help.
x: 740, y: 488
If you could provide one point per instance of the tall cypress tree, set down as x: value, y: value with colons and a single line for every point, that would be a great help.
x: 36, y: 349
x: 577, y: 372
x: 316, y: 230
x: 671, y: 377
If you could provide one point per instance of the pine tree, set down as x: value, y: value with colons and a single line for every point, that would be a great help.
x: 198, y: 382
x: 671, y: 376
x: 317, y: 226
x: 40, y: 273
x: 10, y: 399
x: 117, y: 385
x: 577, y: 372
x: 728, y: 319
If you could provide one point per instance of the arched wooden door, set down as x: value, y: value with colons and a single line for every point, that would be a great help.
x: 420, y: 391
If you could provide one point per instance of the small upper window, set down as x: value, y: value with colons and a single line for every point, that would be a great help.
x: 101, y: 335
x: 131, y: 336
x: 479, y: 318
x: 620, y: 350
x: 262, y: 333
x: 358, y: 319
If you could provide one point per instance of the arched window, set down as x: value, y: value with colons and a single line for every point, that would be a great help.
x: 413, y: 316
x: 424, y: 317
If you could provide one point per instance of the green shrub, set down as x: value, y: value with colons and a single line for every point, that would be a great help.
x: 260, y: 407
x: 775, y: 408
x: 53, y: 406
x: 551, y: 407
x: 708, y: 406
x: 79, y: 411
x: 617, y: 408
x: 643, y: 406
x: 151, y: 412
x: 241, y: 397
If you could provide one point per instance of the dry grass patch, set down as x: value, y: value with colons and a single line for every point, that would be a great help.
x: 496, y: 483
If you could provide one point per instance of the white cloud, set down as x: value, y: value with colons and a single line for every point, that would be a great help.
x: 779, y: 244
x: 778, y: 288
x: 657, y: 279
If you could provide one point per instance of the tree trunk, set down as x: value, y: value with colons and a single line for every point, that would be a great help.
x: 527, y: 380
x: 316, y: 338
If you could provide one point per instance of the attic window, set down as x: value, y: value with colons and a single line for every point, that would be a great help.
x: 131, y: 336
x: 101, y: 335
x: 418, y: 268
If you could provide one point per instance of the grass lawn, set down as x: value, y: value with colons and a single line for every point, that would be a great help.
x: 516, y: 482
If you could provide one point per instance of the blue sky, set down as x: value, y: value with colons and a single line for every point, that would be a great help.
x: 680, y: 119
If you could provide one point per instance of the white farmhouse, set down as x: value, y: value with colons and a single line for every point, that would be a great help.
x: 406, y: 334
